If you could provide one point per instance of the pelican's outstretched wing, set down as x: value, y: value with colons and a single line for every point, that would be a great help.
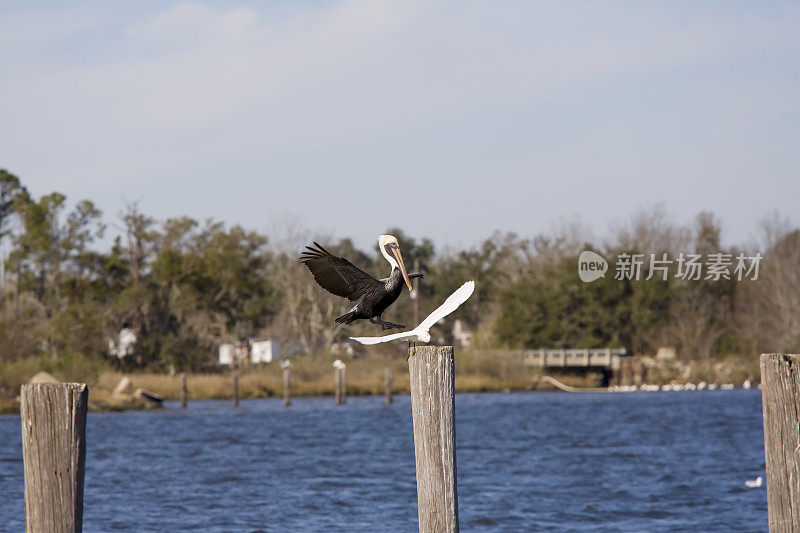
x: 451, y: 304
x: 385, y: 338
x: 337, y: 275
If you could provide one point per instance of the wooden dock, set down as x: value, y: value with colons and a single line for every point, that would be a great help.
x: 616, y: 364
x: 576, y: 357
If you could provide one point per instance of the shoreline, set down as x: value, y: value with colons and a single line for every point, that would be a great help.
x: 313, y: 376
x: 111, y: 408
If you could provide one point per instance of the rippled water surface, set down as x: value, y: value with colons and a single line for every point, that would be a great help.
x: 666, y: 461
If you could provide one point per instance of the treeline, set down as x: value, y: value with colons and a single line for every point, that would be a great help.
x: 184, y: 286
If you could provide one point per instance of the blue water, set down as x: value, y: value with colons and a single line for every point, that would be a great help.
x: 664, y: 461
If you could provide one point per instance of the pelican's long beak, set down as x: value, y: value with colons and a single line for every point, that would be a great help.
x: 396, y: 252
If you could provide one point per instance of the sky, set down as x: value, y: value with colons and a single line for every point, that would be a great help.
x: 449, y: 120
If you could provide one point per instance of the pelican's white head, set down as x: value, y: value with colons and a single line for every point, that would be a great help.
x: 390, y: 249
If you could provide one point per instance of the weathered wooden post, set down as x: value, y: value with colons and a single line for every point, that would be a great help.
x: 780, y: 384
x: 54, y: 453
x: 286, y: 365
x: 336, y: 388
x: 235, y: 387
x: 432, y: 375
x: 183, y: 390
x: 616, y: 369
x: 339, y: 382
x: 336, y: 378
x: 388, y: 392
x: 343, y: 384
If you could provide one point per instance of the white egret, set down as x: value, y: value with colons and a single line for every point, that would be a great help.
x: 421, y: 332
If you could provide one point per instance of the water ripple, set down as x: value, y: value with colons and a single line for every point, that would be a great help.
x: 550, y: 462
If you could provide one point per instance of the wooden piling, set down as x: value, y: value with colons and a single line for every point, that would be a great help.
x: 388, y: 392
x: 432, y: 376
x: 54, y: 454
x: 343, y: 385
x: 336, y: 389
x: 340, y: 385
x: 183, y: 390
x: 235, y: 387
x: 780, y: 384
x: 287, y: 384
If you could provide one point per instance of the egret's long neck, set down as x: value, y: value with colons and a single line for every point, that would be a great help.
x: 388, y: 257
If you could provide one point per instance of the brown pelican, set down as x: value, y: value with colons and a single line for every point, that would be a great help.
x: 339, y: 276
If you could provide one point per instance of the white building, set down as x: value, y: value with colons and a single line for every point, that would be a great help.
x: 264, y: 351
x: 461, y: 335
x: 226, y: 352
x: 253, y: 351
x: 123, y: 347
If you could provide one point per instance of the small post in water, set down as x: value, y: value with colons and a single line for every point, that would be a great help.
x: 339, y: 382
x: 388, y: 393
x: 286, y: 365
x: 235, y: 387
x: 183, y: 390
x: 343, y: 384
x: 432, y: 377
x: 780, y: 384
x: 54, y: 454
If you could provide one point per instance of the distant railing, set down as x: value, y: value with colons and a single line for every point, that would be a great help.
x: 575, y: 357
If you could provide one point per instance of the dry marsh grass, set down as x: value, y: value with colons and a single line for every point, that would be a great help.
x: 313, y: 376
x: 477, y: 370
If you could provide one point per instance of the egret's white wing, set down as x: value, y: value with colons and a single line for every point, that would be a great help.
x: 451, y: 304
x: 460, y: 296
x: 385, y: 338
